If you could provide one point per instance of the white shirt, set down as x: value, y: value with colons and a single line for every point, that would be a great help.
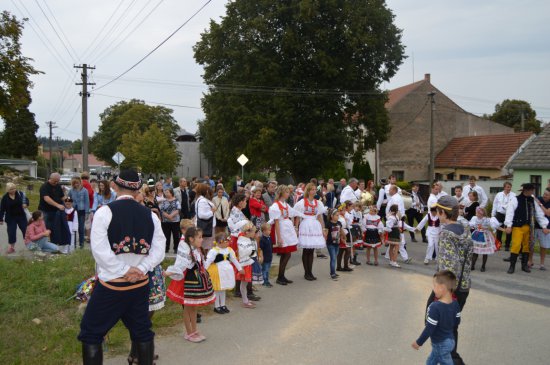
x: 416, y: 202
x: 382, y: 198
x: 203, y: 207
x: 387, y: 189
x: 111, y: 266
x: 396, y: 199
x: 501, y: 202
x: 432, y: 200
x: 510, y: 211
x: 348, y: 194
x: 483, y: 200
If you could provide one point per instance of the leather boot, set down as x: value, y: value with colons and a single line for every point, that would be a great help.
x: 513, y: 260
x: 145, y: 352
x: 525, y: 262
x: 132, y: 357
x: 92, y: 354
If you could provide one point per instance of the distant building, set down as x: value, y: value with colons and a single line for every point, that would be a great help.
x: 192, y: 161
x: 73, y: 162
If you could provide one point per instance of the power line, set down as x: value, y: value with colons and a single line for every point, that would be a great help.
x: 55, y: 31
x: 148, y: 101
x: 157, y: 47
x: 60, y: 28
x: 102, y: 29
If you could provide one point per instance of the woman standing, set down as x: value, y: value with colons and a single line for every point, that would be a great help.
x: 159, y: 192
x: 283, y: 234
x: 222, y: 210
x: 206, y: 219
x: 104, y: 195
x: 170, y: 213
x: 257, y: 207
x: 12, y: 210
x: 149, y: 199
x: 81, y: 202
x: 310, y: 233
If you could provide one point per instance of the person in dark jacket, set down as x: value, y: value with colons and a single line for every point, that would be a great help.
x: 12, y: 211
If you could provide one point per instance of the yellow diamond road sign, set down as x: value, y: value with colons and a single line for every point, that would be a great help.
x: 242, y: 160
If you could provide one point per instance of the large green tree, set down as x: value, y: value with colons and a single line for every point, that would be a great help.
x: 282, y: 76
x: 125, y: 116
x: 509, y: 113
x: 18, y: 139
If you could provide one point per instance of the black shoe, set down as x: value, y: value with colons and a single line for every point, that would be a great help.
x: 511, y: 269
x: 482, y: 269
x: 92, y: 354
x: 280, y: 282
x: 267, y: 285
x: 219, y: 310
x: 473, y: 268
x: 225, y: 309
x: 414, y: 240
x: 238, y: 295
x: 308, y: 278
x: 337, y: 275
x: 525, y: 268
x: 145, y: 352
x: 254, y: 297
x: 288, y: 281
x: 347, y: 269
x: 424, y: 240
x: 199, y: 318
x: 506, y: 259
x: 334, y: 277
x: 339, y: 269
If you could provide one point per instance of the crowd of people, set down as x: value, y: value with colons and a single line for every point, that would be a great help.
x: 227, y: 240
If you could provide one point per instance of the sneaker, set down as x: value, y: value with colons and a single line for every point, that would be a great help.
x: 542, y: 268
x: 426, y: 261
x: 11, y: 249
x: 394, y: 264
x: 280, y: 282
x: 321, y: 256
x: 267, y: 285
x: 334, y: 277
x: 408, y: 261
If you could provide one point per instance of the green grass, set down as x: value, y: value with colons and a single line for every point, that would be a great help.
x: 40, y: 289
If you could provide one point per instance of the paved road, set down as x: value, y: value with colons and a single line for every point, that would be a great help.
x: 371, y: 316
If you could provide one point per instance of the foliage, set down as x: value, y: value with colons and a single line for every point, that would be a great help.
x: 121, y: 118
x: 284, y: 74
x: 152, y: 151
x: 509, y: 114
x: 19, y: 136
x: 362, y: 171
x: 336, y: 171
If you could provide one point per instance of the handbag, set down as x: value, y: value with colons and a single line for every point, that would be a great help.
x: 204, y: 224
x: 25, y: 201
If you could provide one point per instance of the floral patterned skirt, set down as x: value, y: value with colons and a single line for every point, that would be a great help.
x: 157, y: 289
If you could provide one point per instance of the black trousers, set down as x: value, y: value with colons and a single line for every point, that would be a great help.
x: 500, y: 217
x: 171, y: 229
x: 461, y: 297
x: 107, y: 306
x: 413, y: 214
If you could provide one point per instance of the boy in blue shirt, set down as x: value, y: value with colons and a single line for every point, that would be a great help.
x: 442, y: 316
x: 267, y: 253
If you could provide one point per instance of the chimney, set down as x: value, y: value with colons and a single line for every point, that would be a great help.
x: 427, y: 77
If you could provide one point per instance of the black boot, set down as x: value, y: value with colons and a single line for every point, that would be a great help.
x: 525, y: 262
x: 145, y: 352
x: 132, y: 357
x: 92, y: 354
x: 513, y: 260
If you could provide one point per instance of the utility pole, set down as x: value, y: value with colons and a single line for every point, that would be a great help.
x: 85, y: 95
x: 60, y: 148
x: 51, y: 126
x: 432, y: 156
x: 522, y: 121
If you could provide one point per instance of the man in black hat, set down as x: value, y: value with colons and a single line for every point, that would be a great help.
x: 521, y: 214
x: 127, y: 242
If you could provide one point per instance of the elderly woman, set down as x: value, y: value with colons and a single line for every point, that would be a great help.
x: 222, y: 209
x: 12, y: 210
x: 81, y: 202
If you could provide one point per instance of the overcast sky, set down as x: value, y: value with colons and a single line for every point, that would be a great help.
x: 478, y: 53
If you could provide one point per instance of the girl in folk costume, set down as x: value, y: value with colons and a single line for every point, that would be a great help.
x: 218, y: 263
x: 356, y: 232
x: 483, y: 236
x: 248, y: 250
x: 373, y: 228
x: 352, y: 231
x: 334, y: 234
x: 197, y: 287
x: 402, y: 251
x: 394, y: 234
x: 72, y: 220
x: 257, y: 207
x: 432, y: 233
x: 283, y: 234
x: 236, y: 218
x: 310, y: 231
x: 470, y: 210
x: 345, y: 241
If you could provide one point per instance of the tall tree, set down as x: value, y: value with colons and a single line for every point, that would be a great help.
x: 124, y: 116
x: 19, y: 136
x: 283, y: 74
x: 509, y: 113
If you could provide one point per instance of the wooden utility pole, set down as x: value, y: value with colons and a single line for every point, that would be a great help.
x: 85, y: 95
x: 51, y: 126
x: 432, y: 147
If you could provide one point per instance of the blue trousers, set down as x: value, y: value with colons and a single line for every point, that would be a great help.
x: 13, y: 223
x: 441, y: 353
x: 81, y: 226
x: 265, y: 271
x: 333, y: 253
x: 107, y: 306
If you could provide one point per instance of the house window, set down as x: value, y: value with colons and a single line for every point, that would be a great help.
x: 399, y: 175
x: 464, y: 177
x: 451, y: 176
x: 494, y: 190
x: 536, y: 180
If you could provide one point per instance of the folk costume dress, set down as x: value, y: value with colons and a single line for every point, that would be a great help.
x: 157, y: 289
x: 392, y: 227
x: 373, y: 228
x: 218, y: 263
x: 356, y: 233
x: 310, y: 232
x: 196, y: 287
x: 248, y: 250
x: 235, y: 222
x: 483, y: 236
x: 283, y: 213
x: 72, y: 221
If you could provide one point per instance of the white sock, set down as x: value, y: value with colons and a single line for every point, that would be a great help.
x: 217, y: 300
x: 243, y: 292
x: 221, y: 294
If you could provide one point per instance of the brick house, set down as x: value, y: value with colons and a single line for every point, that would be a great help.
x: 406, y: 153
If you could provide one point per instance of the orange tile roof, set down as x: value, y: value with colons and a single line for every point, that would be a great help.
x: 481, y: 152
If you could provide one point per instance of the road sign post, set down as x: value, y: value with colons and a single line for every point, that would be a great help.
x: 242, y: 160
x: 118, y: 158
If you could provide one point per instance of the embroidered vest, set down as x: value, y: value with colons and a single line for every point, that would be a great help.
x: 131, y: 228
x: 432, y: 222
x: 70, y: 216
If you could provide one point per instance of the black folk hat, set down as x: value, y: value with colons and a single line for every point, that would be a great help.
x: 128, y: 179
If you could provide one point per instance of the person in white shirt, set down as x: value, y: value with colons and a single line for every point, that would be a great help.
x: 432, y: 200
x: 395, y: 199
x: 483, y: 199
x: 462, y: 200
x: 382, y: 201
x: 500, y: 204
x: 440, y: 189
x: 348, y: 193
x: 392, y: 181
x: 415, y: 211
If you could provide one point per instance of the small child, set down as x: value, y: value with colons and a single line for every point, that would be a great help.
x: 267, y: 252
x: 36, y: 235
x: 218, y: 263
x: 356, y: 233
x: 247, y: 251
x: 483, y: 236
x: 345, y: 241
x: 373, y: 228
x: 197, y: 287
x: 334, y: 235
x: 394, y: 234
x: 432, y: 233
x: 72, y: 220
x: 442, y: 317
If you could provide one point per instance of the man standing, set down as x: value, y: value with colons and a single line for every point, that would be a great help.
x: 185, y: 196
x: 269, y: 196
x: 339, y: 189
x: 348, y: 193
x: 127, y: 242
x: 483, y: 200
x: 415, y: 212
x: 382, y: 202
x: 239, y: 183
x: 51, y: 199
x: 521, y: 214
x: 167, y: 183
x: 395, y: 199
x: 500, y: 204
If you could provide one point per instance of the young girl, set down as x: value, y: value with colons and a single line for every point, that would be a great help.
x: 247, y: 251
x: 218, y: 263
x: 197, y: 287
x: 334, y: 233
x: 72, y: 220
x: 345, y: 240
x: 37, y: 235
x: 432, y: 233
x: 394, y: 234
x: 283, y: 234
x: 470, y: 210
x: 356, y: 232
x: 483, y: 236
x: 373, y: 228
x: 257, y: 207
